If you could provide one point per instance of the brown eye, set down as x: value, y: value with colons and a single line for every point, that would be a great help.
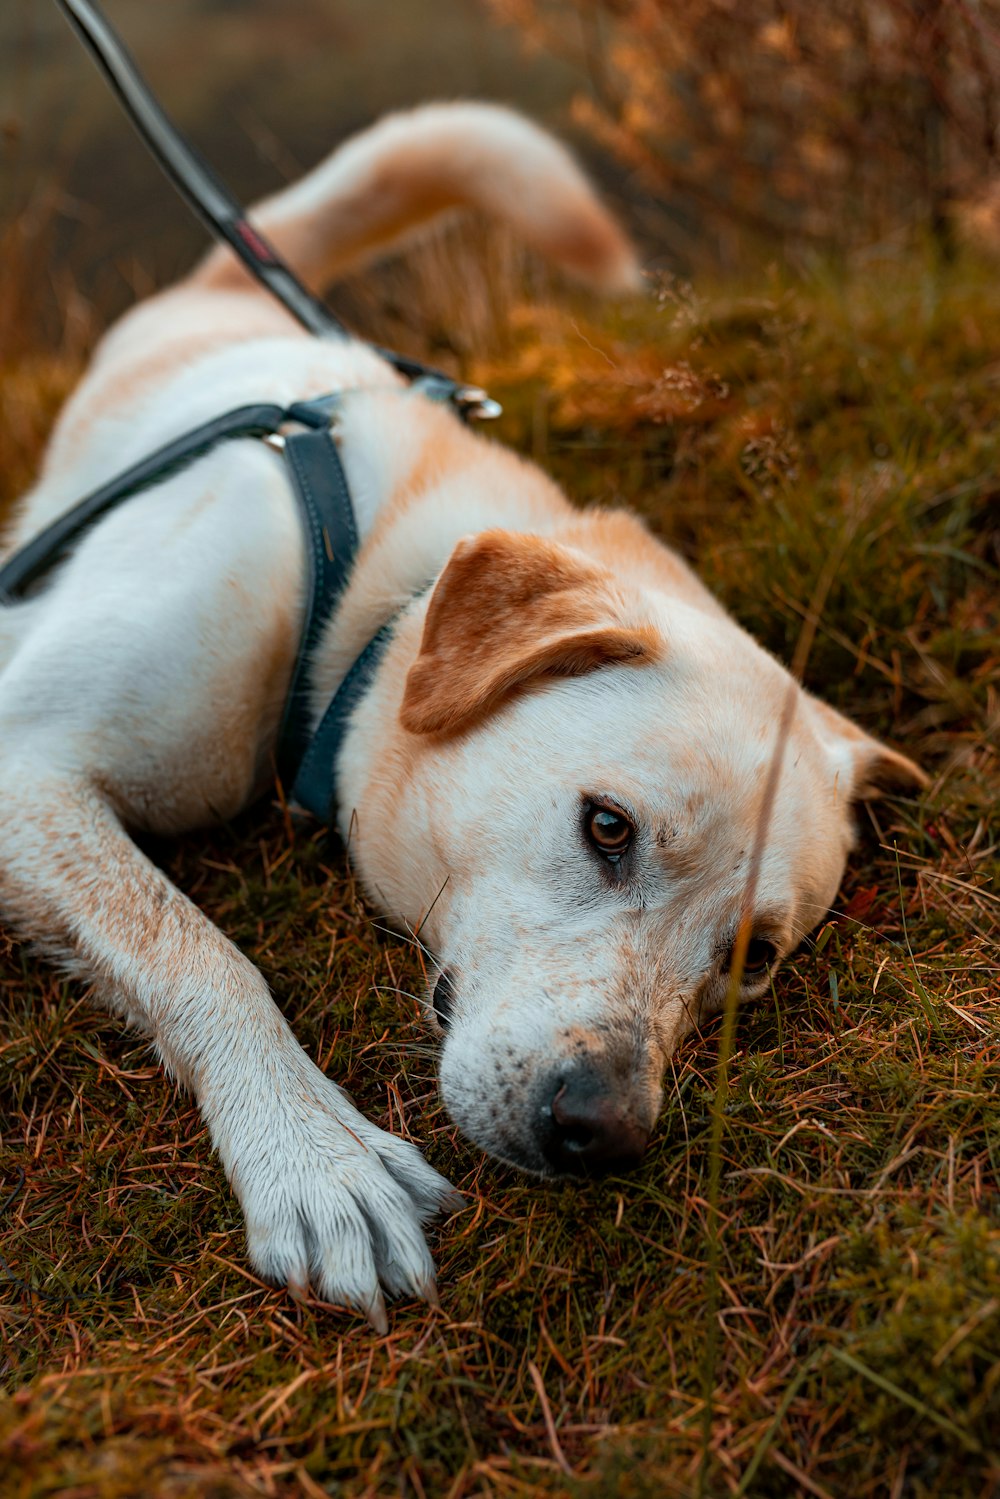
x: 610, y: 832
x: 760, y: 955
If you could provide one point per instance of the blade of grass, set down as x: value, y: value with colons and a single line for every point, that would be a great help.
x: 927, y: 1004
x: 762, y: 1447
x: 920, y: 1406
x: 803, y: 647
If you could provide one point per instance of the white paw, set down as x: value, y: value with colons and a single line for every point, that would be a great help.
x: 333, y: 1203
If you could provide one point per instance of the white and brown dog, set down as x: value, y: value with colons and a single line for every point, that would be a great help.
x: 563, y: 749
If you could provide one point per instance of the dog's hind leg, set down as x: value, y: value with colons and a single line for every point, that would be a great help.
x: 329, y: 1199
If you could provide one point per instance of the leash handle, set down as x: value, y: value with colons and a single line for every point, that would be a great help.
x: 220, y: 211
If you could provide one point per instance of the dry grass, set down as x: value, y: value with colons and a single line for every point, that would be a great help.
x: 852, y: 1269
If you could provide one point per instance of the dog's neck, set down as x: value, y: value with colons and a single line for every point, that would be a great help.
x: 410, y: 466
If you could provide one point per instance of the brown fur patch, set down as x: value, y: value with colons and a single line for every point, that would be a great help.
x: 507, y: 611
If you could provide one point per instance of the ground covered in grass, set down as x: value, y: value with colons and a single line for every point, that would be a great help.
x: 799, y: 1293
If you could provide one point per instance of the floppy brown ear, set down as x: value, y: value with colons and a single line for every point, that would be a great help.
x: 872, y: 768
x: 508, y: 611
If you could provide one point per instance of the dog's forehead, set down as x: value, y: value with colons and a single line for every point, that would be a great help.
x: 686, y: 747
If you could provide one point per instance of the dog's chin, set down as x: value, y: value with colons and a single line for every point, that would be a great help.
x: 502, y: 1147
x: 541, y: 1170
x: 527, y: 1163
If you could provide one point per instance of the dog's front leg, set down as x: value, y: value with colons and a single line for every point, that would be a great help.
x: 329, y: 1199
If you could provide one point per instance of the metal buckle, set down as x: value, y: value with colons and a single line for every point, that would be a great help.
x: 476, y: 405
x: 470, y: 401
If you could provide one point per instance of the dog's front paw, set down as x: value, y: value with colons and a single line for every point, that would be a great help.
x: 335, y: 1204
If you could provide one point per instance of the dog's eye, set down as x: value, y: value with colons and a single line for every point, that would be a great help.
x: 609, y: 831
x: 760, y: 955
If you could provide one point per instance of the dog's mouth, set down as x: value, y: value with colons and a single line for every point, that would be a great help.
x: 443, y: 999
x: 575, y: 1155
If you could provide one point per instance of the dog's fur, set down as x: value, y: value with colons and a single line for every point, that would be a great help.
x: 560, y: 658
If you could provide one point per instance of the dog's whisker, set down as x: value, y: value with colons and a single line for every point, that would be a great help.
x: 409, y: 936
x: 411, y: 1049
x: 422, y: 947
x: 421, y: 1000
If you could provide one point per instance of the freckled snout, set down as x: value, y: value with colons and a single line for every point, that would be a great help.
x: 586, y: 1126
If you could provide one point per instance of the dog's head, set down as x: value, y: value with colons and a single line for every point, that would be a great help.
x: 580, y: 783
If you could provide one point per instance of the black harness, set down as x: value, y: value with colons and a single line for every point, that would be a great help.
x: 305, y: 761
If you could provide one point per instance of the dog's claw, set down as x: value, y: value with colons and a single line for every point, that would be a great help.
x: 429, y: 1292
x: 376, y: 1314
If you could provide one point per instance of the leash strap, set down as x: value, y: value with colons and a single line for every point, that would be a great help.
x: 222, y: 213
x: 210, y: 199
x: 324, y: 500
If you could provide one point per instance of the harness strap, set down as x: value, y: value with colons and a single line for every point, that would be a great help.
x: 305, y: 762
x: 315, y: 786
x: 49, y: 545
x: 317, y: 476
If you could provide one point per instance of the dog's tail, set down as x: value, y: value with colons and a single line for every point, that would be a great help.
x: 405, y: 170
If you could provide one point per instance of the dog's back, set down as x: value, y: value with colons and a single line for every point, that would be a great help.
x: 372, y: 193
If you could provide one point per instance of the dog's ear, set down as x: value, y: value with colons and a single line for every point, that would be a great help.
x: 868, y: 768
x: 511, y: 610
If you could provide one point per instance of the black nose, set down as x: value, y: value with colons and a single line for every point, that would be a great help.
x: 587, y: 1127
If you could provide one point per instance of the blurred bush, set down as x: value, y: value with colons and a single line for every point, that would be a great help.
x: 837, y: 123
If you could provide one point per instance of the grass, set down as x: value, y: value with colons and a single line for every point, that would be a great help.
x: 853, y: 1274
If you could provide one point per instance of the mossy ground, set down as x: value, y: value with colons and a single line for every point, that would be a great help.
x: 835, y: 1328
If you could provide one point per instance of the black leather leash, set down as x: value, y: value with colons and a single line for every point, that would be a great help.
x: 223, y: 214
